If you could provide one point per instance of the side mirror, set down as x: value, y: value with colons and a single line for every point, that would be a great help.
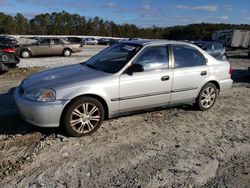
x: 135, y: 68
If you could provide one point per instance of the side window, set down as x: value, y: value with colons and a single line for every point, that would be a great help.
x: 45, y: 42
x: 154, y: 58
x: 185, y: 56
x: 56, y: 41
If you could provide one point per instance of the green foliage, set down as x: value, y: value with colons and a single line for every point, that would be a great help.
x: 64, y: 23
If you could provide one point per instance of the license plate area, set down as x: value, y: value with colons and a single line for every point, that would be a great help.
x: 4, y: 58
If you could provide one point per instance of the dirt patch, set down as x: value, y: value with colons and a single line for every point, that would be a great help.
x: 19, y: 73
x: 176, y: 147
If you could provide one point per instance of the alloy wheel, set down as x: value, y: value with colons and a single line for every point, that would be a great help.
x: 208, y: 97
x: 85, y: 117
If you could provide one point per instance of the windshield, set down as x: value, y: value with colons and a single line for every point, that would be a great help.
x: 114, y: 58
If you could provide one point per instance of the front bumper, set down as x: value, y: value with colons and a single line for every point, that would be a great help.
x: 226, y: 84
x: 42, y: 114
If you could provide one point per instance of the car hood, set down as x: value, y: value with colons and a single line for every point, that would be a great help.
x: 57, y: 77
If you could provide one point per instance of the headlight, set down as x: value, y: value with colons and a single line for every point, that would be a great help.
x: 43, y: 95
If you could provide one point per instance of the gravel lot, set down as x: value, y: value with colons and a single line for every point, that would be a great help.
x: 176, y: 147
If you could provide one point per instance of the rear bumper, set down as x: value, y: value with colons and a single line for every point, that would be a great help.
x: 41, y: 114
x: 226, y: 84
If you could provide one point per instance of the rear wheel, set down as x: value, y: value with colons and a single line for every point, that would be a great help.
x: 207, y: 97
x: 67, y: 52
x: 25, y: 54
x: 83, y: 117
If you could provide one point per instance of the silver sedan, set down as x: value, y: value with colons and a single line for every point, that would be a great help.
x: 124, y: 78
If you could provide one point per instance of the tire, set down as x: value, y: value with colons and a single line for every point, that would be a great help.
x: 25, y: 54
x: 12, y: 66
x: 67, y: 52
x: 83, y: 117
x: 207, y: 97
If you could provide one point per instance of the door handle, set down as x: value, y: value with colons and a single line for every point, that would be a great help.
x: 203, y: 73
x: 164, y: 78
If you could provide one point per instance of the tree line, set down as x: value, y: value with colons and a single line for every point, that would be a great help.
x: 64, y: 23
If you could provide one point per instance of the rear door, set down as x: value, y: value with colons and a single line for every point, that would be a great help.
x: 190, y: 71
x: 57, y: 46
x: 149, y: 88
x: 42, y: 48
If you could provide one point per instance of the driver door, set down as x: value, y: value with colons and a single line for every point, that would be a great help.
x: 152, y: 86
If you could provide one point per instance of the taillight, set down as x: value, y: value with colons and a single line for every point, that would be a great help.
x: 8, y: 50
x: 230, y: 70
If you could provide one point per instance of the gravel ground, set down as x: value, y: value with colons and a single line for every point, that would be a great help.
x: 176, y: 147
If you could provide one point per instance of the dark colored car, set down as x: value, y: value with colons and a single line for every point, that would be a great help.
x: 5, y: 40
x: 8, y: 60
x: 7, y: 48
x: 113, y: 41
x: 103, y: 41
x: 74, y: 40
x: 215, y: 49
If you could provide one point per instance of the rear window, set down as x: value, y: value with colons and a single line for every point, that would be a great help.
x: 186, y: 56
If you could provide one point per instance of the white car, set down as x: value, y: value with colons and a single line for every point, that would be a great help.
x: 124, y: 78
x: 90, y: 41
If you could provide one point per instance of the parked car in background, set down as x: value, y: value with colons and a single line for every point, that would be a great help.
x: 103, y: 41
x: 124, y: 78
x: 74, y: 40
x: 114, y: 41
x: 7, y: 48
x: 90, y: 41
x: 48, y: 46
x: 8, y: 60
x: 215, y: 49
x: 6, y: 40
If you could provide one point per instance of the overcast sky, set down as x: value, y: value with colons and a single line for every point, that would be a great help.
x: 143, y: 13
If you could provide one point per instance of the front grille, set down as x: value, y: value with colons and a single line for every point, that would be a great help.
x: 21, y: 90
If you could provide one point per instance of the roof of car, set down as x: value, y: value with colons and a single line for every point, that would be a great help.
x: 152, y: 42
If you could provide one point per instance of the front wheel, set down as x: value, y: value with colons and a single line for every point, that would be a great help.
x: 207, y: 97
x: 83, y: 117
